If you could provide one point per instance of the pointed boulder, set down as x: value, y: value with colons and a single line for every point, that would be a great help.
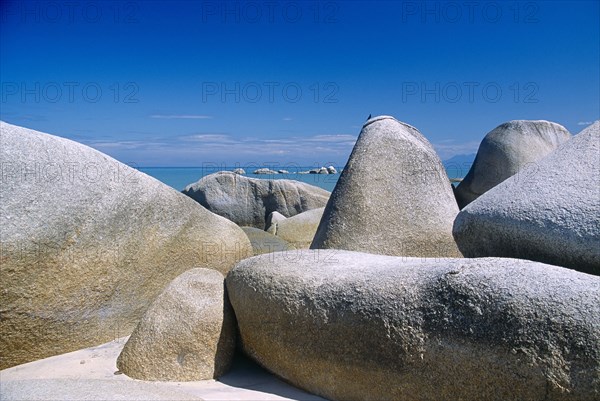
x: 393, y: 197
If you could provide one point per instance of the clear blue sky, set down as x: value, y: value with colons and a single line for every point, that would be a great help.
x: 186, y: 83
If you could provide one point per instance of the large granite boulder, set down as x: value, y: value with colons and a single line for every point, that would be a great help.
x: 298, y: 230
x: 549, y: 212
x: 505, y: 151
x: 88, y: 242
x: 265, y: 242
x: 248, y: 201
x: 187, y: 334
x: 354, y: 326
x: 393, y: 197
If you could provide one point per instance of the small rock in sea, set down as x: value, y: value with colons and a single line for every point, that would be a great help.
x: 283, y: 171
x: 265, y: 171
x: 239, y: 171
x: 331, y: 170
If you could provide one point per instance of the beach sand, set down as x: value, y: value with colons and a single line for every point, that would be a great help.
x: 89, y: 374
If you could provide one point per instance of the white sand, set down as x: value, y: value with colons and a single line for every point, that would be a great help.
x: 89, y: 374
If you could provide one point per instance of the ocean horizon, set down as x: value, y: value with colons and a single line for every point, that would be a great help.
x: 180, y: 177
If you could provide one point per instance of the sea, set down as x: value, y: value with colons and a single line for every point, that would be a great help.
x: 180, y: 177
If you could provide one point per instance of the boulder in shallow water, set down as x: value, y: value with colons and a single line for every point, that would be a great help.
x: 549, y: 212
x: 505, y: 151
x: 265, y: 171
x: 248, y: 201
x: 393, y: 198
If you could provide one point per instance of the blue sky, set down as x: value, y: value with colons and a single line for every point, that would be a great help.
x: 186, y: 83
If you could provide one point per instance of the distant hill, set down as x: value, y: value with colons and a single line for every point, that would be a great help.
x: 458, y: 166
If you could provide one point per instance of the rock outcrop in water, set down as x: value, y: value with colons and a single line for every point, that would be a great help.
x: 410, y: 214
x: 354, y: 326
x: 88, y: 242
x: 266, y: 171
x: 248, y: 201
x: 505, y: 151
x: 187, y: 334
x: 549, y: 212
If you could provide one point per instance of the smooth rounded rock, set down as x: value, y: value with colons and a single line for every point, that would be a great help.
x: 88, y: 242
x: 248, y: 201
x: 548, y: 212
x: 505, y: 151
x: 393, y: 197
x: 187, y: 334
x: 354, y: 326
x: 298, y: 230
x: 272, y: 219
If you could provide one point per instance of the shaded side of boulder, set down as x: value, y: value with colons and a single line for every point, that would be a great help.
x: 393, y: 197
x: 549, y: 212
x: 265, y: 242
x: 88, y: 242
x: 187, y: 334
x: 298, y: 230
x: 505, y: 151
x: 248, y: 201
x: 353, y: 326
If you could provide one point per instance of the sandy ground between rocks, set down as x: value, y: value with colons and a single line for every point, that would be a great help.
x: 89, y: 374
